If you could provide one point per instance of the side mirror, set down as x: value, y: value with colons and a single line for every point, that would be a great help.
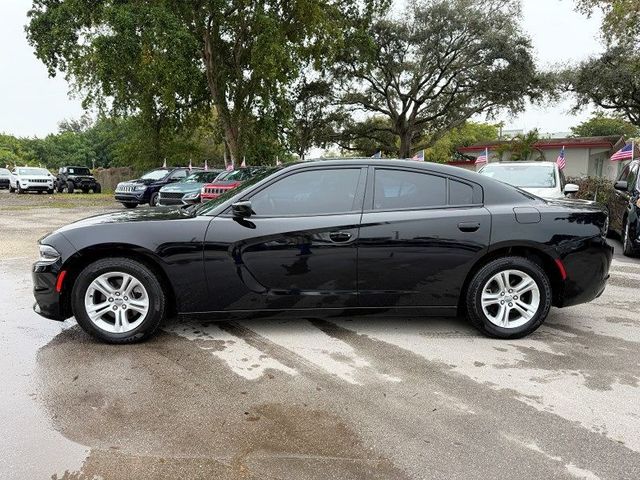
x: 571, y: 188
x: 621, y: 185
x: 241, y: 209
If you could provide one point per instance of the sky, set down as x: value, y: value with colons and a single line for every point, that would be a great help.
x: 32, y: 104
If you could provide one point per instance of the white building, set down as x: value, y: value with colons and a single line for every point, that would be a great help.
x: 585, y: 156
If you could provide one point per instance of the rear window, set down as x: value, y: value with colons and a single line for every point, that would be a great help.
x: 395, y: 189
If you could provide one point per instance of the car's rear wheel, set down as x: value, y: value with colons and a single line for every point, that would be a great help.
x: 509, y: 297
x: 118, y: 300
x: 129, y: 205
x: 153, y: 201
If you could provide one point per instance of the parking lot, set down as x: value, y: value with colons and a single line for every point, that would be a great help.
x: 307, y: 398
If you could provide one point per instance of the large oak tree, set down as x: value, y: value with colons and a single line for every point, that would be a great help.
x: 439, y: 64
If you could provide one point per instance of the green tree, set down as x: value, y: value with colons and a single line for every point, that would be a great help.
x: 522, y: 147
x: 621, y: 21
x: 611, y: 82
x: 601, y: 125
x: 441, y: 63
x: 444, y: 149
x: 162, y: 59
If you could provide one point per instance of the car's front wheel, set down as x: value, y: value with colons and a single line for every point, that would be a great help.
x: 509, y: 297
x: 118, y: 300
x: 153, y: 200
x: 627, y: 246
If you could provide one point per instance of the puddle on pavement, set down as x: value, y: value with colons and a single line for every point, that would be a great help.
x: 137, y: 406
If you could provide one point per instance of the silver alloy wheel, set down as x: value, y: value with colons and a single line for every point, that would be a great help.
x: 116, y: 302
x: 510, y: 298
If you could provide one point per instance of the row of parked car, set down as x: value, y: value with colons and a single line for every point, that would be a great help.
x: 41, y: 180
x: 181, y: 186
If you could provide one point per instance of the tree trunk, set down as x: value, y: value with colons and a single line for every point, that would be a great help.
x: 405, y: 144
x: 217, y: 89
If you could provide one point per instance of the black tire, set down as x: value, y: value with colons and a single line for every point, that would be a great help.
x: 11, y: 189
x: 70, y: 187
x: 627, y: 246
x: 59, y: 187
x: 50, y: 191
x: 129, y: 205
x: 97, y: 188
x: 85, y: 190
x: 19, y: 189
x: 157, y: 302
x: 153, y: 200
x: 474, y: 293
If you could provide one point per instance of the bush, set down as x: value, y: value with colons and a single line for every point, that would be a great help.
x: 595, y: 188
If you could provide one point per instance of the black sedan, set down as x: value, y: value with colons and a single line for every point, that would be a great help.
x: 326, y: 237
x: 625, y: 208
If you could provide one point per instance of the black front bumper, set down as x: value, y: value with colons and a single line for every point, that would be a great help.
x: 138, y: 199
x: 49, y: 303
x: 4, y: 183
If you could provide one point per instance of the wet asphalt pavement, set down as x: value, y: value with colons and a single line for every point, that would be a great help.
x: 341, y: 398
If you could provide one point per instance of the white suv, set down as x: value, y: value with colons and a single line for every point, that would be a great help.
x: 543, y: 179
x: 31, y: 179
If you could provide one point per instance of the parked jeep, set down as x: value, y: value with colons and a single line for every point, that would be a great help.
x: 146, y: 188
x: 76, y: 178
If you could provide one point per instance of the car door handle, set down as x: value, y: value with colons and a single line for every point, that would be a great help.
x: 468, y: 226
x: 340, y: 237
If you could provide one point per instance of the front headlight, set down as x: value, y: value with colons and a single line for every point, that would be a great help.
x: 48, y: 254
x: 141, y: 188
x: 191, y: 196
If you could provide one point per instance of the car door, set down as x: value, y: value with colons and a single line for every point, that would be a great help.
x: 419, y: 237
x: 298, y: 248
x: 620, y: 202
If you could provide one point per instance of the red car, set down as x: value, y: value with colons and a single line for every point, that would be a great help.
x: 228, y: 181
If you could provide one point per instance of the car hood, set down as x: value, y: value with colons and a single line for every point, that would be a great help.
x: 143, y: 215
x: 544, y: 192
x: 182, y: 187
x: 140, y: 181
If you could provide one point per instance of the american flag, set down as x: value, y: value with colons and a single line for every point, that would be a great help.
x: 190, y: 165
x: 229, y: 167
x: 419, y: 156
x: 484, y: 157
x: 164, y: 164
x: 560, y: 161
x: 206, y: 166
x: 624, y: 153
x: 244, y: 162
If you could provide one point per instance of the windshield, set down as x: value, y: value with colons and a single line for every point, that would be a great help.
x: 523, y: 176
x: 78, y: 171
x: 201, y: 177
x: 155, y: 174
x: 33, y: 171
x: 206, y: 207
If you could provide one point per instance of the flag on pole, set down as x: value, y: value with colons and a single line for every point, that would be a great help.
x: 164, y: 164
x: 244, y: 162
x: 206, y: 165
x: 419, y: 156
x: 561, y: 161
x: 625, y: 153
x: 230, y: 167
x: 278, y: 162
x: 190, y: 165
x: 378, y: 154
x: 484, y: 157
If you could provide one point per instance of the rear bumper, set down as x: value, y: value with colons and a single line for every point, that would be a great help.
x: 587, y: 266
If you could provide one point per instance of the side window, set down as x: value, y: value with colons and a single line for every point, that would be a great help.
x: 403, y: 189
x: 460, y: 193
x: 633, y: 177
x: 178, y: 174
x: 315, y: 192
x: 625, y: 173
